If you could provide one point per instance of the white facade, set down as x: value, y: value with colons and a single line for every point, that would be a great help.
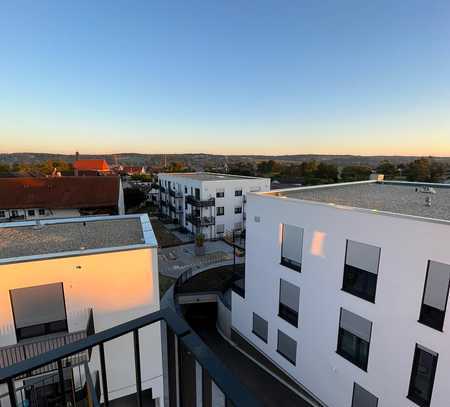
x: 117, y: 283
x: 223, y: 198
x: 406, y: 244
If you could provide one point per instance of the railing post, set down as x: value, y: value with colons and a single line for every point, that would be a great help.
x: 12, y: 393
x: 103, y: 371
x: 137, y: 364
x: 62, y: 385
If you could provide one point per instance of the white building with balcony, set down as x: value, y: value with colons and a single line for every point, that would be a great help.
x: 346, y: 290
x: 208, y: 203
x: 63, y: 280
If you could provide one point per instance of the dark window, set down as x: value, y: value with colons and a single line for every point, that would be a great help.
x: 14, y: 213
x: 238, y: 192
x: 260, y: 327
x: 238, y: 209
x: 422, y: 376
x: 287, y: 347
x: 220, y: 194
x: 2, y: 214
x: 39, y: 310
x: 42, y: 212
x: 435, y: 295
x: 363, y: 398
x: 291, y: 247
x: 31, y: 212
x: 289, y: 302
x: 361, y: 270
x: 220, y: 210
x: 185, y: 190
x: 354, y: 338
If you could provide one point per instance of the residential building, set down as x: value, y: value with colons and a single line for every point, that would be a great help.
x: 208, y: 203
x: 63, y: 280
x: 132, y: 170
x: 90, y: 166
x: 346, y: 290
x: 59, y: 197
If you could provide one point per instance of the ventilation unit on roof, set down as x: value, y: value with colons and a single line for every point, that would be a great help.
x: 426, y: 190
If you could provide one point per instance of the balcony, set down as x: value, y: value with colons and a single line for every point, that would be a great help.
x: 184, y: 348
x: 191, y: 200
x: 201, y: 220
x: 30, y: 348
x: 175, y: 194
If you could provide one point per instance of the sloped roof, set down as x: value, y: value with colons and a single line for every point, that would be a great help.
x: 91, y: 165
x: 59, y: 192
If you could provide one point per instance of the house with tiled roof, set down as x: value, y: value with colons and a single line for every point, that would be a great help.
x: 60, y: 197
x: 91, y: 167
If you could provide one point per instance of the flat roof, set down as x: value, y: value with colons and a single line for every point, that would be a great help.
x: 74, y: 235
x: 406, y: 198
x: 207, y: 176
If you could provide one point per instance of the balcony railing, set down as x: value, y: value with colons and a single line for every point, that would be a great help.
x: 10, y: 355
x: 182, y: 344
x: 201, y: 220
x: 191, y: 200
x: 175, y: 194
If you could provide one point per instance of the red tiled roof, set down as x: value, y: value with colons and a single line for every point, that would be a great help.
x: 91, y: 165
x: 59, y: 192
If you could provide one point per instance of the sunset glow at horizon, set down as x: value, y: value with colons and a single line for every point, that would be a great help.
x: 232, y: 78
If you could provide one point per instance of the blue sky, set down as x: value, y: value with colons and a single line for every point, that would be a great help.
x: 275, y: 77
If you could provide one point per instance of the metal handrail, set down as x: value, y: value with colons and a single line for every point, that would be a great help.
x: 224, y: 379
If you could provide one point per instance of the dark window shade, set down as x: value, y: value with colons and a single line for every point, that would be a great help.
x: 363, y: 398
x: 38, y: 305
x: 422, y: 376
x: 434, y: 304
x: 287, y: 347
x: 289, y: 302
x: 354, y: 338
x: 260, y: 327
x: 292, y: 246
x: 361, y: 270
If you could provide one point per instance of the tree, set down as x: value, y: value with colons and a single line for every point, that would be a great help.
x: 268, y: 167
x: 4, y: 168
x: 355, y: 173
x: 388, y: 169
x: 328, y: 172
x: 133, y: 197
x: 437, y: 171
x: 418, y: 170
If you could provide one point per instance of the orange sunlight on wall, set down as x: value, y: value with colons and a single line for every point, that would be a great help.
x: 317, y: 244
x: 108, y: 282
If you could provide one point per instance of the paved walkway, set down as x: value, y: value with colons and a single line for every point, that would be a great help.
x: 174, y: 260
x: 270, y: 391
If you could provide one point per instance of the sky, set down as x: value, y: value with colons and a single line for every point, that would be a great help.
x: 225, y: 77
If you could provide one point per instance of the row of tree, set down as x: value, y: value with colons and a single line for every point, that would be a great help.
x: 314, y: 172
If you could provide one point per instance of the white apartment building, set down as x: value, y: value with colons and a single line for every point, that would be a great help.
x: 208, y: 203
x: 346, y: 290
x: 63, y: 280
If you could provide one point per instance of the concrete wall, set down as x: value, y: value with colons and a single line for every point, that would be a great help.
x: 406, y: 246
x: 119, y: 286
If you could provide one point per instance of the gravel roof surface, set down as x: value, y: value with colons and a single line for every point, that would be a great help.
x: 390, y: 197
x: 18, y: 241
